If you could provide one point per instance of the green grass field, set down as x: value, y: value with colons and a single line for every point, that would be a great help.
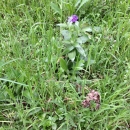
x: 35, y: 92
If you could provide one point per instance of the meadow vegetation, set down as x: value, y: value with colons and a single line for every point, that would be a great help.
x: 43, y: 88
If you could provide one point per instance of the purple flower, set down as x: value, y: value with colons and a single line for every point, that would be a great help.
x: 73, y: 18
x: 86, y: 103
x: 92, y: 96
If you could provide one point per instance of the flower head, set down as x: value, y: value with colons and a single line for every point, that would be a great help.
x: 92, y: 96
x: 73, y: 18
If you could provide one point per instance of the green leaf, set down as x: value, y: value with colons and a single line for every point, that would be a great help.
x: 54, y: 126
x: 27, y: 94
x: 66, y: 34
x: 11, y: 81
x: 81, y: 3
x: 55, y: 8
x: 3, y: 63
x: 80, y: 50
x: 79, y: 65
x: 88, y: 29
x: 33, y: 111
x: 68, y: 49
x: 1, y: 128
x: 72, y: 55
x: 77, y: 3
x: 97, y: 29
x: 63, y: 64
x: 92, y: 62
x: 62, y: 25
x: 82, y: 39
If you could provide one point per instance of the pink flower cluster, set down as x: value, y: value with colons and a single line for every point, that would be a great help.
x: 92, y: 96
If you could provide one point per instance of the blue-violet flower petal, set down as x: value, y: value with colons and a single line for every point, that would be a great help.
x: 73, y: 18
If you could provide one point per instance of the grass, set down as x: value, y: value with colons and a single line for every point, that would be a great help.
x: 36, y: 94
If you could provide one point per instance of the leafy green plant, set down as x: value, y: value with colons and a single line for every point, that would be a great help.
x: 75, y: 37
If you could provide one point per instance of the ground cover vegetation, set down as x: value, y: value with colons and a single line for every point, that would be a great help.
x: 64, y: 65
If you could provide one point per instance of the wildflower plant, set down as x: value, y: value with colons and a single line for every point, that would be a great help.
x: 92, y: 96
x: 75, y: 36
